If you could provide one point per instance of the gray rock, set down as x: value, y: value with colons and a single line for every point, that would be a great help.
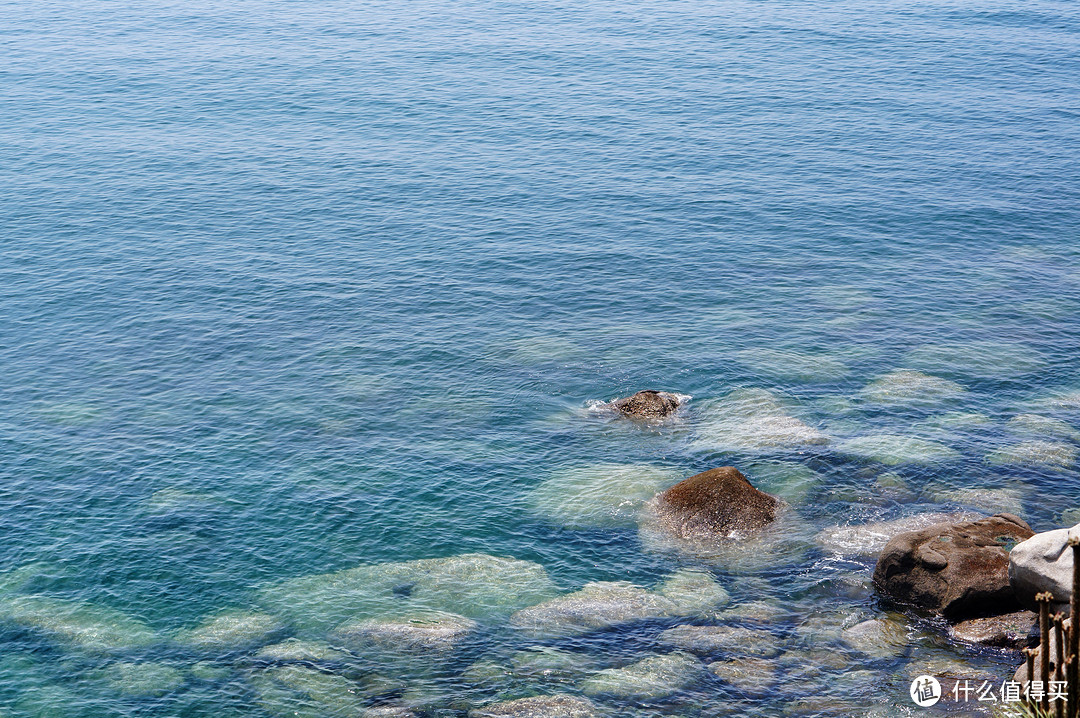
x: 556, y: 706
x: 1043, y: 562
x: 732, y: 640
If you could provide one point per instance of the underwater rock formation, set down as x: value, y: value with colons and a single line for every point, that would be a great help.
x: 606, y: 604
x: 426, y: 632
x: 958, y: 570
x: 754, y: 420
x: 650, y: 678
x: 599, y: 495
x: 557, y: 706
x: 476, y: 586
x: 733, y: 640
x: 232, y: 630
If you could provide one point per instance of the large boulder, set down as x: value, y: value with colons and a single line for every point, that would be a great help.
x: 648, y: 404
x: 1043, y: 563
x: 718, y: 503
x: 958, y: 570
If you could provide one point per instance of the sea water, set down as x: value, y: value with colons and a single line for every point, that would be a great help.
x: 290, y: 288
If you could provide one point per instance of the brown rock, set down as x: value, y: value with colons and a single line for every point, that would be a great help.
x: 958, y: 570
x: 715, y: 503
x: 648, y: 404
x: 1011, y: 630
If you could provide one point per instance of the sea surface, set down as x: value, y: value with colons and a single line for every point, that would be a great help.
x: 293, y: 287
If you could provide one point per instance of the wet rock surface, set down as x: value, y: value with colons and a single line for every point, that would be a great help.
x: 1011, y: 630
x: 957, y: 570
x: 648, y: 405
x: 718, y: 503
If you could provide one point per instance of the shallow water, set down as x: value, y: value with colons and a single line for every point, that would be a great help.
x: 291, y: 287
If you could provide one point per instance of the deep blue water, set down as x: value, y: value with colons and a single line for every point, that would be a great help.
x: 290, y: 287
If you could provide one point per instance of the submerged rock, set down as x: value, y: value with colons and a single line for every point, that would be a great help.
x: 980, y: 360
x: 648, y: 404
x: 650, y: 678
x: 754, y: 420
x: 993, y: 501
x: 476, y: 586
x: 869, y: 539
x: 732, y: 640
x: 424, y: 633
x: 694, y: 593
x: 144, y: 679
x: 295, y: 649
x: 1043, y: 426
x: 719, y: 503
x: 1035, y: 453
x: 1044, y: 562
x: 1012, y: 630
x: 906, y: 387
x: 958, y: 570
x: 232, y: 630
x: 595, y: 607
x: 751, y: 676
x: 298, y: 691
x: 762, y: 612
x: 894, y: 449
x: 95, y: 629
x: 878, y: 637
x: 792, y: 365
x: 552, y: 663
x: 602, y: 495
x: 792, y: 482
x: 556, y: 706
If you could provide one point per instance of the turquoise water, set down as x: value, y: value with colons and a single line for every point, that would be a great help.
x: 291, y: 287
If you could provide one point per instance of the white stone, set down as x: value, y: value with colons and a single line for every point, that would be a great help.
x: 1043, y: 563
